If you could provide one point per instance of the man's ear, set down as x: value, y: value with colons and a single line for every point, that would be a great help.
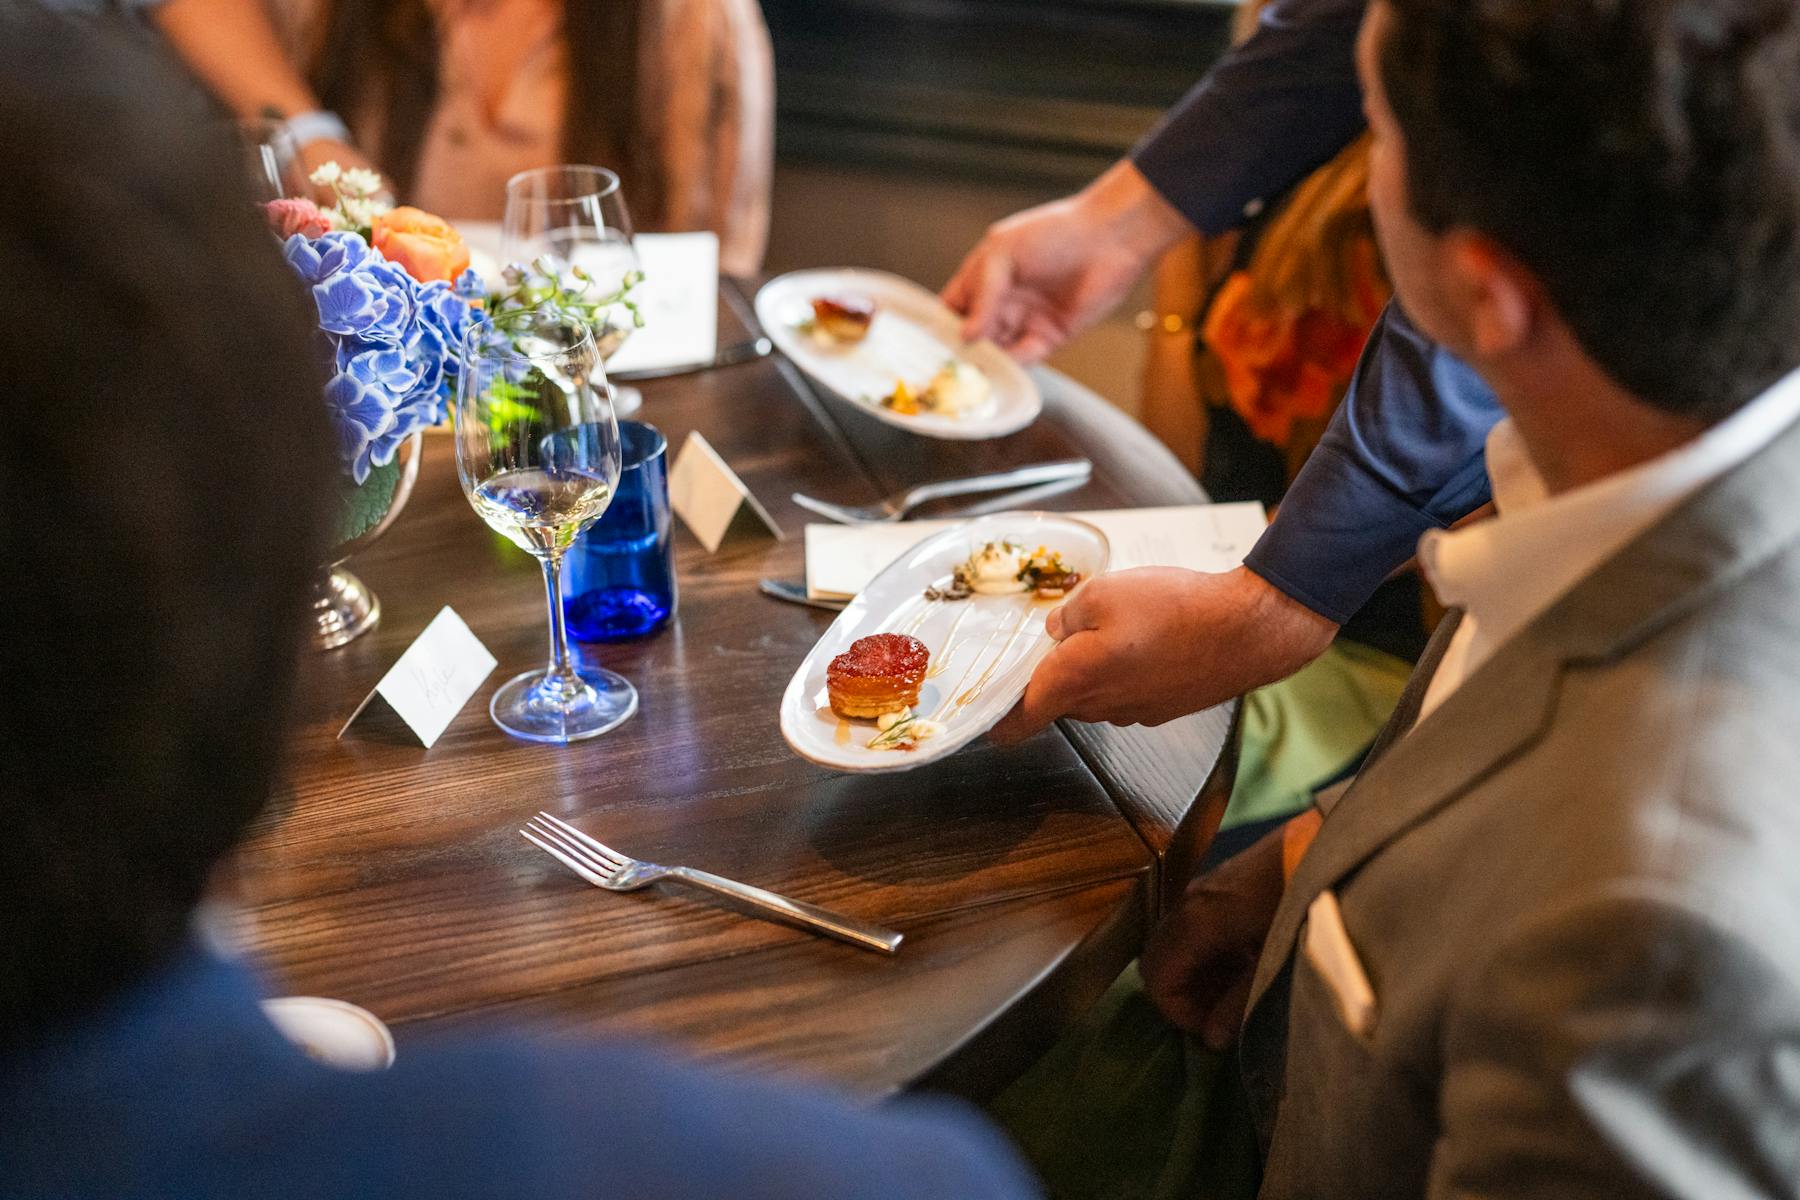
x: 1499, y: 297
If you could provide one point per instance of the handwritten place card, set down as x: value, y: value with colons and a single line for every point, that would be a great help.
x: 707, y: 494
x: 428, y: 685
x: 842, y: 559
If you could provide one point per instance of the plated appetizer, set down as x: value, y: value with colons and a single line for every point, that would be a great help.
x: 857, y: 333
x: 957, y: 390
x: 935, y: 675
x: 843, y: 318
x: 1005, y: 568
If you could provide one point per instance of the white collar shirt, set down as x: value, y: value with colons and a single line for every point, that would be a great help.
x: 1506, y: 570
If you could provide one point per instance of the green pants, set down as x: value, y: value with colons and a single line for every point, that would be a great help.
x: 1126, y: 1107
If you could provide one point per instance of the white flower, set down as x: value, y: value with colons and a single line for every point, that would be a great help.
x: 359, y: 211
x: 326, y: 174
x: 360, y: 182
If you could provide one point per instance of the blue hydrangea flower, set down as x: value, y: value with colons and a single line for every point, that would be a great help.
x: 392, y: 322
x: 390, y: 368
x: 446, y: 316
x: 495, y: 355
x: 469, y: 285
x: 315, y: 259
x: 361, y: 413
x: 393, y: 345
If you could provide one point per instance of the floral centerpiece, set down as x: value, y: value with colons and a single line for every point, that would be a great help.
x: 394, y: 292
x: 395, y: 297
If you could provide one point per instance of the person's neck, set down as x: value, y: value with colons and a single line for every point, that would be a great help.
x: 1579, y: 425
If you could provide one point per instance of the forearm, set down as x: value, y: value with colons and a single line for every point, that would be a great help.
x: 233, y: 49
x: 1126, y: 211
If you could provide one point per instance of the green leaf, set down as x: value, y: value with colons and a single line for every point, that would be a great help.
x: 360, y: 509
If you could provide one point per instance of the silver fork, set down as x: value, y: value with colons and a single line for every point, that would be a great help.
x: 900, y: 503
x: 606, y: 868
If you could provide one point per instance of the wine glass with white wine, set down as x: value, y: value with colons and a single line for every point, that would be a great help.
x: 572, y: 222
x: 537, y: 450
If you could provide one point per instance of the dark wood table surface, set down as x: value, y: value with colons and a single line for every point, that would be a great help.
x: 1023, y: 878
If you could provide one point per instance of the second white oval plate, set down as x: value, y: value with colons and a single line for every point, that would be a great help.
x: 911, y: 337
x: 983, y: 649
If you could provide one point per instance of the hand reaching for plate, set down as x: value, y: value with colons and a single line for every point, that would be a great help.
x: 1145, y: 646
x: 1041, y: 276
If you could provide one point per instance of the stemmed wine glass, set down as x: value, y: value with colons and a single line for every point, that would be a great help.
x: 573, y: 218
x: 271, y: 159
x: 537, y: 450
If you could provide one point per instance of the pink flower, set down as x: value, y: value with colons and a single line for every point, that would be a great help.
x: 288, y: 217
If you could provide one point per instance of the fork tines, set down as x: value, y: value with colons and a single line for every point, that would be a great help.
x: 583, y: 855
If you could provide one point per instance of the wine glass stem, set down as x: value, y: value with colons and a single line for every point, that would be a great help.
x: 562, y: 670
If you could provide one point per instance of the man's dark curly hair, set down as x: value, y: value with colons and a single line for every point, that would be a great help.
x: 1642, y: 157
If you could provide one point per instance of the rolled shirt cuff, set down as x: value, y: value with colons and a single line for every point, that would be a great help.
x: 1340, y: 532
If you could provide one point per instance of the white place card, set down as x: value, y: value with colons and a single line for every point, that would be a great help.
x: 842, y: 559
x: 679, y: 296
x: 428, y: 684
x: 708, y: 495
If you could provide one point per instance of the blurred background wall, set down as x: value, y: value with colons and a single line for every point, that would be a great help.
x: 904, y: 127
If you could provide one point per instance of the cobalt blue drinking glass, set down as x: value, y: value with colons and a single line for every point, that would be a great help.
x: 621, y: 571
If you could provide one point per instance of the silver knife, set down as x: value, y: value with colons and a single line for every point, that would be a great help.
x: 739, y: 352
x: 795, y: 593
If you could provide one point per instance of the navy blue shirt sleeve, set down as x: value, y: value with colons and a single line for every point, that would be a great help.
x: 1403, y: 454
x: 1268, y: 114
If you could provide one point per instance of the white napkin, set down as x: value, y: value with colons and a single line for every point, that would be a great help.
x: 679, y: 296
x: 842, y: 559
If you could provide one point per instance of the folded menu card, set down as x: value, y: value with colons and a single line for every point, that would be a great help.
x: 679, y: 297
x: 842, y: 559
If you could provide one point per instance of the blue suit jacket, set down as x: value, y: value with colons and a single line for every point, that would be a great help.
x: 1403, y: 454
x: 181, y: 1090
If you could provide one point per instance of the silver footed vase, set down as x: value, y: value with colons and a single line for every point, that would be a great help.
x: 343, y: 606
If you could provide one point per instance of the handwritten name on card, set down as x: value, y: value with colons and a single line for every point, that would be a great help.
x: 429, y: 684
x: 707, y: 494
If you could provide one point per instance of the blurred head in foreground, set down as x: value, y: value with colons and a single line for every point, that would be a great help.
x: 163, y: 466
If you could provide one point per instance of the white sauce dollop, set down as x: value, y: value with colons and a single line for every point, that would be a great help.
x: 994, y: 570
x: 959, y: 389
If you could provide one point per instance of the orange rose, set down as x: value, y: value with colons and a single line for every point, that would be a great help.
x: 427, y: 246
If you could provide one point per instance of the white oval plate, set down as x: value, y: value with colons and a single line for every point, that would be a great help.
x: 912, y: 336
x: 983, y: 649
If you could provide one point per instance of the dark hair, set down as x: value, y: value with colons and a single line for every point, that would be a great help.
x: 1642, y: 158
x: 164, y: 466
x: 384, y: 53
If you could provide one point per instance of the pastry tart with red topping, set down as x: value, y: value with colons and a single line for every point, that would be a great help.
x: 878, y: 674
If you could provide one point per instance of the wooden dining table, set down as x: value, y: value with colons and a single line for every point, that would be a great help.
x: 1023, y: 878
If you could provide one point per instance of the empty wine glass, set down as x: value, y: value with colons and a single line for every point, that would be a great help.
x: 573, y: 219
x: 537, y: 451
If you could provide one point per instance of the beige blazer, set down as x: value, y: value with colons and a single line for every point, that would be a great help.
x: 1573, y: 894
